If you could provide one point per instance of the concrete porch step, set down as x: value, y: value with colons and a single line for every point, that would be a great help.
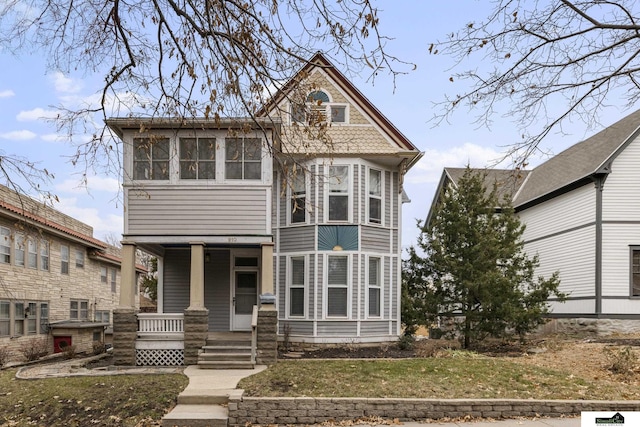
x: 227, y: 348
x: 225, y: 364
x: 208, y: 396
x: 243, y: 356
x: 197, y: 416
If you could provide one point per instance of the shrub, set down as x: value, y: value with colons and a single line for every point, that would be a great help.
x: 99, y: 347
x: 69, y: 352
x: 5, y: 356
x: 622, y: 360
x: 406, y: 341
x: 34, y: 349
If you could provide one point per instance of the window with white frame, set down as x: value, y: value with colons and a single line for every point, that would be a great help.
x: 151, y: 158
x: 5, y: 245
x: 197, y: 158
x: 375, y: 196
x: 31, y: 316
x: 102, y: 316
x: 18, y: 322
x: 44, y: 317
x: 374, y: 287
x: 79, y: 258
x: 243, y: 158
x: 298, y: 198
x: 338, y: 193
x: 297, y: 287
x: 19, y: 250
x: 64, y: 259
x: 113, y: 280
x: 32, y: 253
x: 103, y: 275
x: 337, y: 286
x: 318, y: 109
x: 44, y: 255
x: 79, y: 309
x: 5, y: 318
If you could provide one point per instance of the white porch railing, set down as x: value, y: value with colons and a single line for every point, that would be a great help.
x: 254, y: 333
x: 170, y: 324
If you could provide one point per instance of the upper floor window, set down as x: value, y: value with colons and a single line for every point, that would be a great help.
x: 102, y: 316
x: 375, y: 196
x: 243, y: 158
x: 79, y: 258
x: 44, y: 255
x: 319, y: 109
x: 5, y: 245
x: 113, y: 280
x: 338, y: 193
x: 298, y: 198
x: 64, y: 259
x: 197, y: 158
x: 103, y: 274
x: 20, y: 249
x: 32, y: 253
x: 151, y: 158
x: 79, y: 309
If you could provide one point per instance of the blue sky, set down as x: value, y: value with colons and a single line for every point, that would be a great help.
x: 29, y: 93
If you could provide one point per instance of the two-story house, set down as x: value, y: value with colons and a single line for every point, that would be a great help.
x: 58, y: 284
x: 297, y: 212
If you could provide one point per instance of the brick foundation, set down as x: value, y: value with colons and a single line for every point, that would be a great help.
x: 267, y: 351
x: 196, y: 328
x: 125, y: 332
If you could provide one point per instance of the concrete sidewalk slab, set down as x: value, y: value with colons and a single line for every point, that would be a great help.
x: 538, y: 422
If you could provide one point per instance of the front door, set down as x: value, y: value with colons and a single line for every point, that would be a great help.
x: 245, y: 296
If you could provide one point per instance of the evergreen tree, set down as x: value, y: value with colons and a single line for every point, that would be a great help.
x: 473, y: 270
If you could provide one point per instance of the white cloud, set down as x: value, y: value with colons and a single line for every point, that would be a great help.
x: 64, y: 84
x: 36, y: 114
x: 7, y: 93
x: 18, y: 135
x: 103, y: 223
x: 94, y: 184
x: 53, y: 137
x: 429, y: 168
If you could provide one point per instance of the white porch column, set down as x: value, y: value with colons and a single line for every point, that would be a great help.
x: 128, y: 276
x: 267, y: 269
x: 196, y: 301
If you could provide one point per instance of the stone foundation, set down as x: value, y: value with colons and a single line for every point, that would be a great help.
x: 196, y: 328
x: 592, y: 327
x: 267, y: 351
x: 307, y: 410
x: 125, y: 332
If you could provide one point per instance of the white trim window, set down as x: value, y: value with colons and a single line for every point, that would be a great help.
x: 79, y: 258
x: 103, y: 316
x: 243, y: 158
x: 44, y: 255
x: 337, y: 286
x: 113, y: 280
x: 338, y: 203
x: 19, y: 250
x: 79, y: 309
x: 103, y: 275
x: 298, y: 205
x: 375, y: 196
x: 197, y: 158
x: 151, y: 159
x: 32, y: 253
x: 64, y: 259
x: 374, y: 292
x: 297, y: 285
x: 319, y: 109
x: 5, y: 245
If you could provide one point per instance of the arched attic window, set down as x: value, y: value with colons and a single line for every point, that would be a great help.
x: 318, y: 108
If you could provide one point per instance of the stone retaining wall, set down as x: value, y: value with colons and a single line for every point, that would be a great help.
x: 307, y: 410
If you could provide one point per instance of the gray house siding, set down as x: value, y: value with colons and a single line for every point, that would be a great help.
x: 187, y: 211
x: 338, y: 328
x: 217, y: 289
x: 374, y: 328
x: 176, y: 280
x: 297, y: 239
x: 388, y: 194
x: 375, y: 239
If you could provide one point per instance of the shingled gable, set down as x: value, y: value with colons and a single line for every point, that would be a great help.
x: 319, y: 61
x: 577, y: 164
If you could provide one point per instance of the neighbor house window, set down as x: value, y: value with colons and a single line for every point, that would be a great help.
x: 5, y: 245
x: 375, y: 196
x: 296, y: 287
x: 44, y: 255
x: 243, y: 158
x: 338, y: 193
x: 374, y: 287
x: 19, y: 250
x: 44, y: 317
x: 103, y: 274
x: 79, y: 310
x: 79, y: 258
x: 32, y: 253
x: 298, y: 199
x: 31, y: 316
x: 197, y: 158
x: 151, y: 158
x: 64, y: 259
x: 113, y: 280
x: 337, y: 286
x: 18, y: 322
x: 5, y: 319
x: 102, y: 316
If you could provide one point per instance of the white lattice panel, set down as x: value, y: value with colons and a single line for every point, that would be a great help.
x: 160, y: 357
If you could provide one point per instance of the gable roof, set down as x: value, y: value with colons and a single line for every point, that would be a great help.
x: 580, y: 161
x: 319, y: 61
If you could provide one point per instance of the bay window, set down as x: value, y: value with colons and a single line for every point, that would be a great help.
x: 297, y: 287
x: 375, y: 196
x: 339, y: 193
x: 298, y: 199
x: 374, y: 292
x: 337, y: 286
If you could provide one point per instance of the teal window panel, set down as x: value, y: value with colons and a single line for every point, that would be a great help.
x: 338, y: 237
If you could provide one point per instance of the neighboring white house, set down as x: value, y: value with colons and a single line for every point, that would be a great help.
x: 582, y: 214
x: 218, y: 202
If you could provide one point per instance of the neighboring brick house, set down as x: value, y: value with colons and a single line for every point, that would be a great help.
x: 56, y: 280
